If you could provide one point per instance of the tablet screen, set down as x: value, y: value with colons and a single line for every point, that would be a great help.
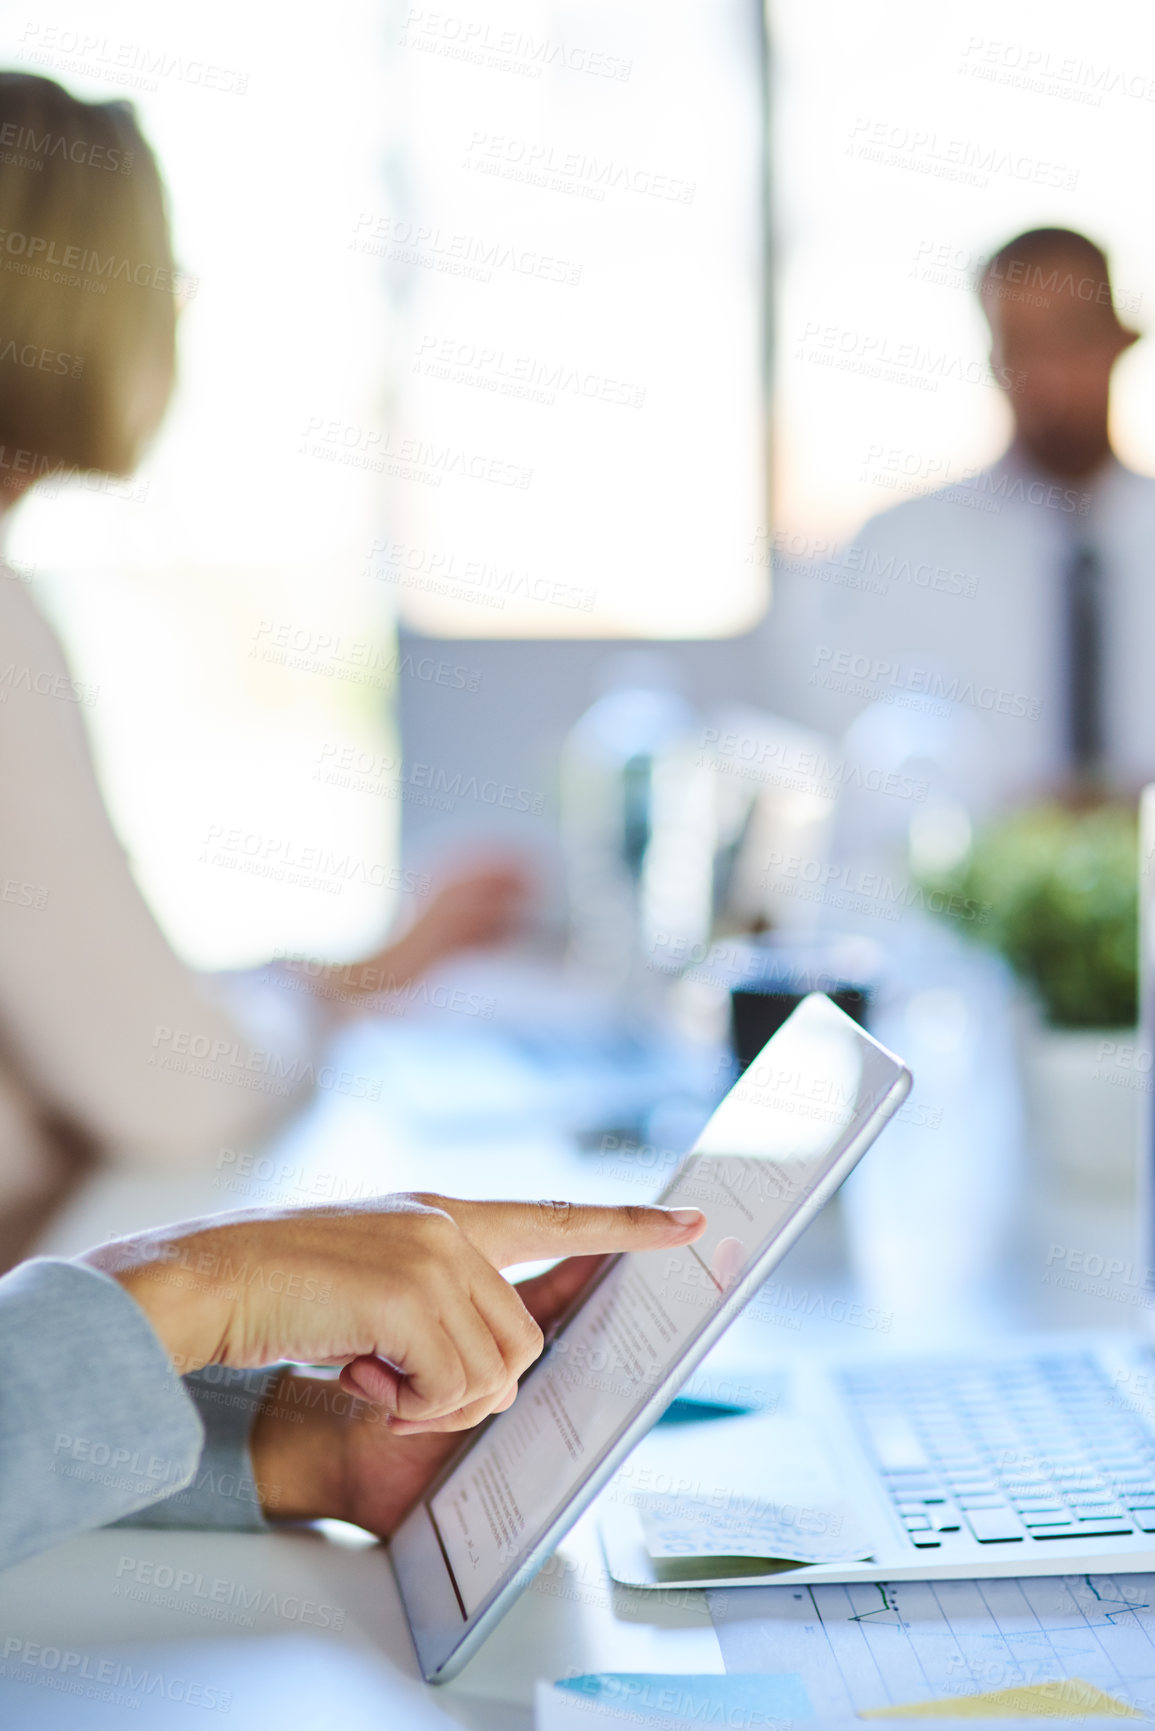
x: 775, y: 1137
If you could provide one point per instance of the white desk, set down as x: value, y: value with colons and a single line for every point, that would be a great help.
x: 266, y: 1627
x: 281, y: 1668
x: 285, y: 1670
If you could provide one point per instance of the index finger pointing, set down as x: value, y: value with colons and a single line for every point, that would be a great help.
x: 509, y: 1232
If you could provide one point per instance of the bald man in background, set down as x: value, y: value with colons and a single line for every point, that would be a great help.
x: 1021, y: 600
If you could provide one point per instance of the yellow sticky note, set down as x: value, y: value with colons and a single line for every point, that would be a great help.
x: 1067, y: 1698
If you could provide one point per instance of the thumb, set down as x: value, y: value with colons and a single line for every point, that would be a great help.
x: 508, y: 1232
x: 372, y: 1379
x: 548, y: 1296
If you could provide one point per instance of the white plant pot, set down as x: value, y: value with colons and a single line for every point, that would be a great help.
x: 1086, y: 1092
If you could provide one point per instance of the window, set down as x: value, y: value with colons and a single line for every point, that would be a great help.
x: 218, y: 603
x: 576, y: 238
x: 473, y: 337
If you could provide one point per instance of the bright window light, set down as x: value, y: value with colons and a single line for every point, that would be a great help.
x: 218, y: 603
x: 578, y: 430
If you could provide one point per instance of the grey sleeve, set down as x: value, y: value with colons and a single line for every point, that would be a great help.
x: 223, y: 1491
x: 95, y: 1424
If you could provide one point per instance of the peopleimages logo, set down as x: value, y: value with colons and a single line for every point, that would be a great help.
x: 40, y: 682
x: 381, y: 772
x: 507, y: 373
x: 778, y: 763
x: 873, y: 893
x: 189, y: 1589
x: 885, y: 680
x: 504, y: 48
x: 457, y: 252
x: 438, y: 571
x: 138, y: 65
x: 359, y: 661
x: 538, y: 163
x: 85, y: 261
x: 877, y: 355
x: 40, y: 360
x: 1027, y: 66
x: 352, y: 982
x: 189, y: 1053
x: 983, y: 489
x: 286, y: 860
x: 120, y: 1682
x: 970, y: 161
x: 853, y: 567
x: 26, y: 148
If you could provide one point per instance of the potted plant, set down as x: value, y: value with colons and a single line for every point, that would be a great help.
x: 1059, y: 888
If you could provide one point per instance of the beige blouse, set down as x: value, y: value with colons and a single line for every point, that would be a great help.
x: 101, y: 1024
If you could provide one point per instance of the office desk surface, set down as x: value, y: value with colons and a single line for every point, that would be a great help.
x: 327, y: 1641
x: 275, y: 1627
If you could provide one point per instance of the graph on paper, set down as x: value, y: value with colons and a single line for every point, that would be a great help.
x: 1053, y: 1646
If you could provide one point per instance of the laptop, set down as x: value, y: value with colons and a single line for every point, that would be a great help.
x: 1031, y: 1457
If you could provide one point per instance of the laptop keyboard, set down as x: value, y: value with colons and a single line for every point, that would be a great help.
x: 1008, y: 1453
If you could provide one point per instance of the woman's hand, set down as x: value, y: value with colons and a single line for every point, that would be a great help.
x: 405, y: 1292
x: 480, y: 908
x: 319, y: 1454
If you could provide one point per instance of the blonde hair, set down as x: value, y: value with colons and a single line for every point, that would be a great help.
x: 87, y: 289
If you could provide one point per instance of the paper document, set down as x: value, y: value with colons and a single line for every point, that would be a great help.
x: 735, y: 1498
x: 676, y: 1527
x: 1061, y: 1649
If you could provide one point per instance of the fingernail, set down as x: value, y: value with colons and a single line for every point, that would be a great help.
x: 362, y: 1387
x: 686, y: 1216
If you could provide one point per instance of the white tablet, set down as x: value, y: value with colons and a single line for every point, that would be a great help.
x: 772, y: 1155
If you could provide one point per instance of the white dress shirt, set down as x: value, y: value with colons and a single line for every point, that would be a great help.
x: 955, y: 602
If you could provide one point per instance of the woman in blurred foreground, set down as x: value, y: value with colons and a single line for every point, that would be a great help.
x: 97, y: 1014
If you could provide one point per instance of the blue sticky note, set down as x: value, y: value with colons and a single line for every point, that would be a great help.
x: 762, y: 1698
x: 714, y: 1394
x: 683, y: 1410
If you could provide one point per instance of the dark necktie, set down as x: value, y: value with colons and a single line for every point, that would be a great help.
x: 1084, y: 669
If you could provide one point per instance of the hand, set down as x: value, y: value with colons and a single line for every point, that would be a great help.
x: 480, y: 908
x: 404, y: 1292
x: 317, y: 1454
